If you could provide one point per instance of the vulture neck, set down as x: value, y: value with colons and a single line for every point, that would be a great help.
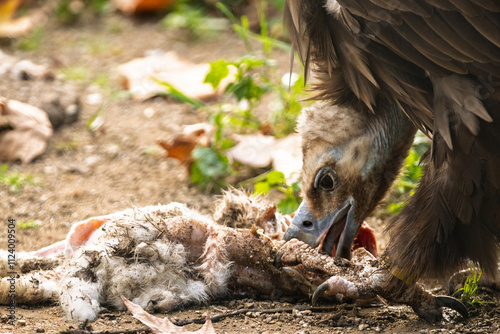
x: 392, y: 134
x: 392, y: 130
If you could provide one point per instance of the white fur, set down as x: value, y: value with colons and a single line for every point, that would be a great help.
x: 152, y: 270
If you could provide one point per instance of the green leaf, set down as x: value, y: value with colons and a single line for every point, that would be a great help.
x: 209, y: 168
x: 275, y: 178
x: 29, y: 224
x: 177, y: 94
x: 219, y: 70
x: 396, y: 207
x: 262, y: 188
x: 288, y: 205
x: 245, y: 88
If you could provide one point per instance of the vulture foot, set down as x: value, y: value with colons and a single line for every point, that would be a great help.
x: 364, y: 277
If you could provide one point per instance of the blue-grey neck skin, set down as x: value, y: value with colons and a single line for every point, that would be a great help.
x: 391, y: 128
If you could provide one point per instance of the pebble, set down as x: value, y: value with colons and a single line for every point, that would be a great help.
x: 112, y: 150
x: 21, y: 322
x: 149, y: 112
x: 362, y: 327
x: 94, y: 99
x: 40, y: 330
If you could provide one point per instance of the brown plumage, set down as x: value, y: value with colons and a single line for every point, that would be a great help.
x: 383, y: 69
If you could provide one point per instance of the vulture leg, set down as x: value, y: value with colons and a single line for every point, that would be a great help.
x: 364, y: 277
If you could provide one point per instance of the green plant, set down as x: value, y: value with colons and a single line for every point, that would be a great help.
x: 405, y: 184
x: 28, y: 224
x: 76, y: 73
x: 210, y: 168
x: 69, y: 11
x: 33, y: 41
x: 195, y: 20
x: 171, y: 91
x: 15, y: 180
x: 276, y: 180
x: 66, y: 145
x: 244, y: 81
x: 96, y: 120
x: 469, y: 290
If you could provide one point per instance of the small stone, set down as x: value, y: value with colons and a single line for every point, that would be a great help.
x: 94, y: 99
x: 113, y: 150
x: 40, y: 330
x: 149, y: 112
x: 21, y: 322
x: 362, y: 327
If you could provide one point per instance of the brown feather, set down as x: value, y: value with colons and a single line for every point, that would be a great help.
x: 416, y: 22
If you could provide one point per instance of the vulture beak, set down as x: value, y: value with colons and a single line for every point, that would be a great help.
x: 334, y: 233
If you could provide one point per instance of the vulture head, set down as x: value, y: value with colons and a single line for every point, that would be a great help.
x: 350, y: 159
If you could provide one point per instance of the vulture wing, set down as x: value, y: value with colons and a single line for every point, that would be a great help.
x: 439, y: 61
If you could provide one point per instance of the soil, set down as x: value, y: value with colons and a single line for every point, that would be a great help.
x: 84, y: 174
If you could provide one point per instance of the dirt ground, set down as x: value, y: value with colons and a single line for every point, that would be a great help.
x: 85, y: 174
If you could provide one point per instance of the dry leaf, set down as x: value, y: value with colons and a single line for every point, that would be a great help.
x: 24, y: 131
x: 261, y: 151
x: 253, y: 150
x: 138, y: 76
x: 17, y: 27
x: 163, y: 326
x: 135, y: 6
x: 7, y: 9
x: 181, y: 145
x: 287, y: 157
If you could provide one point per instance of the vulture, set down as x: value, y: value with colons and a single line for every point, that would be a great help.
x: 381, y: 70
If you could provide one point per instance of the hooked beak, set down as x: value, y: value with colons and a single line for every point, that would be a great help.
x: 334, y: 232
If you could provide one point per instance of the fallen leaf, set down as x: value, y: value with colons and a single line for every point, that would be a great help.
x: 286, y: 156
x: 142, y: 76
x: 253, y: 150
x: 11, y: 27
x: 135, y: 6
x: 181, y: 145
x: 260, y: 151
x: 24, y: 131
x: 163, y: 325
x: 7, y: 9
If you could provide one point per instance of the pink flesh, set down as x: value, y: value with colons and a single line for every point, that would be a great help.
x: 51, y: 249
x: 366, y: 239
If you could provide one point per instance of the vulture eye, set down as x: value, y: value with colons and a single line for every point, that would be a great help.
x: 326, y: 179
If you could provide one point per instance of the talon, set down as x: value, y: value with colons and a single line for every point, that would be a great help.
x: 298, y: 276
x: 319, y: 292
x: 277, y: 258
x: 454, y: 304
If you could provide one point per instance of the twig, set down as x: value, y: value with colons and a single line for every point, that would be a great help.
x: 215, y: 318
x: 118, y: 331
